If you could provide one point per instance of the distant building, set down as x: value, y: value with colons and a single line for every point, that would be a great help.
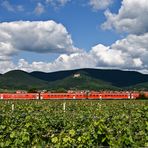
x: 21, y: 92
x: 77, y: 75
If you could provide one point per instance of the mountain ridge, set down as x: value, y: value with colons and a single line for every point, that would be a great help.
x: 20, y: 79
x: 115, y: 75
x: 89, y: 79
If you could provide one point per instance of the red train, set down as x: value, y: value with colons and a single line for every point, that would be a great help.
x: 72, y: 95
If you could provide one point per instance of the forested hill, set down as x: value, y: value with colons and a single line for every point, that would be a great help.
x: 74, y: 79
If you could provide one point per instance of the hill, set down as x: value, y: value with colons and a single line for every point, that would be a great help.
x: 18, y: 79
x: 95, y: 79
x: 117, y: 78
x: 82, y: 82
x: 140, y: 86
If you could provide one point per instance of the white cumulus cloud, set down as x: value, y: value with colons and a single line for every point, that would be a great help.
x: 129, y: 53
x: 63, y: 62
x: 7, y: 6
x: 131, y: 17
x: 39, y: 9
x: 105, y: 56
x: 57, y: 3
x: 123, y: 54
x: 10, y: 7
x: 6, y: 66
x: 37, y: 36
x: 100, y: 4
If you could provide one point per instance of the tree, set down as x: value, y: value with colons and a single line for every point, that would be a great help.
x: 32, y: 90
x: 142, y: 96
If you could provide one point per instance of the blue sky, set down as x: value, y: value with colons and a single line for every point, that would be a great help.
x: 98, y: 34
x: 81, y: 21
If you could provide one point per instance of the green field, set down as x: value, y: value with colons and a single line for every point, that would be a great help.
x: 74, y: 123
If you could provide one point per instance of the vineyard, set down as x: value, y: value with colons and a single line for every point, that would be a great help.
x: 74, y: 123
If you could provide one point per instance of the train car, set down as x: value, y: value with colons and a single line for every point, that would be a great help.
x: 90, y: 95
x: 146, y: 94
x: 94, y: 95
x: 114, y: 95
x: 72, y: 95
x: 134, y: 95
x: 109, y: 95
x: 19, y: 96
x: 67, y: 96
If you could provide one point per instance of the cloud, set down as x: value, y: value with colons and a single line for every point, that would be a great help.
x: 63, y: 62
x: 9, y: 7
x: 105, y: 56
x: 6, y: 66
x: 39, y: 9
x: 6, y: 49
x: 36, y: 36
x: 100, y: 4
x: 63, y: 2
x: 20, y: 8
x: 57, y: 3
x: 129, y: 53
x: 131, y: 17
